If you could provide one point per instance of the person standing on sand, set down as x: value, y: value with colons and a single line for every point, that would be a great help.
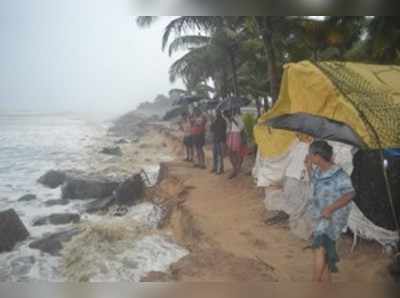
x: 186, y: 127
x: 234, y: 141
x: 198, y: 124
x: 218, y: 129
x: 332, y: 191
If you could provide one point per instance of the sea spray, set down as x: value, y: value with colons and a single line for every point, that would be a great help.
x: 119, y: 248
x: 31, y: 146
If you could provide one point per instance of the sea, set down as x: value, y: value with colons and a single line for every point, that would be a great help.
x: 32, y: 144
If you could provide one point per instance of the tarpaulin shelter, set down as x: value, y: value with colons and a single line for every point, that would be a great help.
x: 355, y: 103
x: 364, y: 97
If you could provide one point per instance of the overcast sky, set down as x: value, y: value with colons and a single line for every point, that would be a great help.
x: 74, y: 55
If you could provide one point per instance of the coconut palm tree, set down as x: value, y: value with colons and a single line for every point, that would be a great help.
x: 381, y: 43
x: 215, y: 35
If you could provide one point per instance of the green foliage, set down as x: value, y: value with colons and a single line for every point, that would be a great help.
x: 249, y: 122
x: 246, y: 55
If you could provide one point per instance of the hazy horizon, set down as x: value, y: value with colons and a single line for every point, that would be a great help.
x: 78, y: 56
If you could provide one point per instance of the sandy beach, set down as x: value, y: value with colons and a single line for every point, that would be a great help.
x: 221, y: 223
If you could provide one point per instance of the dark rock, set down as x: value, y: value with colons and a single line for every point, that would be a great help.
x: 130, y: 191
x: 99, y: 204
x: 81, y: 187
x: 22, y: 265
x: 276, y: 217
x: 122, y: 141
x: 112, y: 151
x: 52, y: 244
x: 120, y: 211
x: 12, y: 230
x: 27, y: 198
x: 157, y: 276
x: 162, y: 172
x: 53, y: 179
x: 51, y: 203
x: 394, y: 268
x: 57, y: 219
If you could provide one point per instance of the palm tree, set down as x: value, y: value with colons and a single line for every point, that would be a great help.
x: 382, y: 41
x: 268, y: 27
x: 217, y: 34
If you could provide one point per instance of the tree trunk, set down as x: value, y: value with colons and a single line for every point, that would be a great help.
x: 234, y: 72
x: 271, y: 57
x: 258, y: 106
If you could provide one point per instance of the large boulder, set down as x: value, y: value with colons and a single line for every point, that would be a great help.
x: 57, y: 219
x: 50, y: 203
x: 52, y: 244
x: 112, y: 151
x: 131, y: 191
x: 83, y: 187
x: 53, y: 178
x: 99, y: 204
x: 12, y: 230
x: 27, y: 198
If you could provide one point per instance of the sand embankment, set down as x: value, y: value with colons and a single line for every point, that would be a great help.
x: 221, y: 222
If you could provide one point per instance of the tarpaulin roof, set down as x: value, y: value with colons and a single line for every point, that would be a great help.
x: 364, y: 97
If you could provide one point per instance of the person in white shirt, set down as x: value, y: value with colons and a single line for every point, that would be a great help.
x: 234, y: 142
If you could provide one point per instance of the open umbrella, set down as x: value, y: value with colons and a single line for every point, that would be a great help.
x: 232, y: 103
x: 318, y: 127
x: 363, y: 98
x: 186, y: 100
x: 212, y: 104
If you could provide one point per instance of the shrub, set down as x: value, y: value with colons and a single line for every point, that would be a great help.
x: 249, y: 121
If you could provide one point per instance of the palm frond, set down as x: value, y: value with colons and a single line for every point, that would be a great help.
x: 187, y: 42
x: 145, y: 21
x: 184, y: 24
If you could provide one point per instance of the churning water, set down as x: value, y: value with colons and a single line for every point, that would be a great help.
x: 32, y: 144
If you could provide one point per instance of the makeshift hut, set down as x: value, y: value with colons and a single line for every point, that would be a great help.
x: 351, y: 103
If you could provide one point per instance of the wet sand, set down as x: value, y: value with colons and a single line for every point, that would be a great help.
x: 221, y: 222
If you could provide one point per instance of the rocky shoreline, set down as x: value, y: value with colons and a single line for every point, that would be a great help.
x: 136, y: 138
x: 187, y: 202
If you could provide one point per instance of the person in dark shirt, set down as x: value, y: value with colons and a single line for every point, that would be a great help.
x: 198, y: 129
x: 218, y: 129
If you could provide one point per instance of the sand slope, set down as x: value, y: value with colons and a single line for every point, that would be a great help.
x: 222, y: 222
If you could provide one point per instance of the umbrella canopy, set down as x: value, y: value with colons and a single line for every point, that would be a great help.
x: 212, y: 104
x: 175, y: 112
x: 232, y: 103
x: 186, y: 100
x: 318, y: 127
x: 365, y: 97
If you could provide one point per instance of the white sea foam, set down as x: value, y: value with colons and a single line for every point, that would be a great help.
x: 32, y: 145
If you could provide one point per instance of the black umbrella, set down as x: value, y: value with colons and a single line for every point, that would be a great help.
x: 185, y: 100
x: 175, y: 112
x: 318, y: 127
x: 212, y: 104
x: 233, y: 103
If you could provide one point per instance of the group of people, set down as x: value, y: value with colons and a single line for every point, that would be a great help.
x: 228, y: 137
x: 332, y: 190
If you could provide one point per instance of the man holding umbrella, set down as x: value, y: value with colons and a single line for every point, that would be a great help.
x: 332, y: 191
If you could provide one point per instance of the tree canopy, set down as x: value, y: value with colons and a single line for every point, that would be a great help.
x: 244, y: 55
